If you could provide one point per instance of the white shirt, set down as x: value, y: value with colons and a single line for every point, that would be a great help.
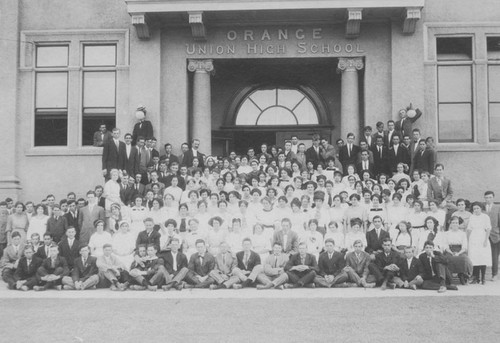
x: 174, y: 261
x: 409, y: 263
x: 70, y: 242
x: 128, y: 148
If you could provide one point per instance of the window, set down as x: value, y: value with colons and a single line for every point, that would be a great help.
x: 51, y: 96
x: 99, y: 89
x: 277, y: 106
x: 455, y: 89
x: 493, y: 44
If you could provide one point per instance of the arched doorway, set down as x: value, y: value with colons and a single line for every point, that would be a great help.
x: 272, y: 113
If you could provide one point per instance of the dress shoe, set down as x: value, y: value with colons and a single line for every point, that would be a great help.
x: 369, y: 285
x: 180, y: 286
x: 280, y: 287
x: 68, y: 288
x: 59, y: 287
x: 113, y: 288
x: 494, y: 278
x: 246, y: 283
x: 309, y: 285
x: 214, y: 286
x: 461, y: 277
x: 288, y: 286
x: 237, y: 286
x: 153, y: 288
x: 38, y: 288
x: 341, y: 285
x: 391, y: 286
x: 383, y: 287
x: 442, y: 289
x: 24, y: 288
x: 414, y: 287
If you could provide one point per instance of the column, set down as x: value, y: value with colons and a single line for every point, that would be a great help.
x: 349, y: 102
x: 202, y: 106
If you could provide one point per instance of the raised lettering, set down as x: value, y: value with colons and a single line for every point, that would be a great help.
x: 265, y: 35
x: 302, y: 48
x: 358, y: 49
x: 248, y: 35
x: 202, y: 49
x: 251, y: 48
x: 281, y: 49
x: 299, y: 34
x: 325, y: 48
x: 283, y: 34
x: 219, y: 49
x: 317, y: 33
x: 314, y: 48
x: 337, y: 48
x: 190, y: 51
x: 232, y: 35
x: 348, y: 47
x: 230, y: 49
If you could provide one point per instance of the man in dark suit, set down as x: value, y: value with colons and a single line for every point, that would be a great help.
x: 127, y: 191
x: 414, y: 145
x: 143, y: 127
x: 379, y: 133
x: 57, y: 224
x: 439, y: 189
x: 149, y: 236
x: 102, y: 136
x: 375, y: 237
x: 330, y: 267
x: 357, y: 265
x: 200, y: 265
x: 435, y: 274
x: 52, y: 270
x: 25, y: 274
x: 315, y: 153
x: 397, y: 154
x: 391, y: 132
x: 349, y: 152
x: 405, y: 124
x: 248, y: 266
x: 493, y: 211
x: 301, y: 268
x: 69, y: 247
x: 72, y: 217
x: 410, y: 271
x: 113, y: 154
x: 85, y: 271
x: 288, y: 239
x: 365, y: 165
x: 139, y: 187
x: 380, y: 157
x: 193, y: 152
x: 87, y: 217
x: 168, y: 155
x: 387, y: 263
x: 44, y: 251
x: 367, y: 137
x: 176, y: 264
x: 143, y: 155
x: 131, y: 163
x: 423, y: 159
x: 10, y: 259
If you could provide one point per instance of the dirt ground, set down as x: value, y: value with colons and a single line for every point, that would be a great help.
x: 423, y: 319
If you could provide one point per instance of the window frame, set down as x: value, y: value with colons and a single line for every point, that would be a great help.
x: 489, y: 63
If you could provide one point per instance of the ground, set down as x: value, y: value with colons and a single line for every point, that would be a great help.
x: 248, y: 315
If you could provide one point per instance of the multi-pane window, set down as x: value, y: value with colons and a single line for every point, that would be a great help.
x: 277, y: 106
x: 455, y: 89
x: 99, y: 89
x: 51, y: 95
x: 493, y: 44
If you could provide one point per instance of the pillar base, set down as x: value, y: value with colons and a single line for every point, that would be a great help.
x: 10, y: 187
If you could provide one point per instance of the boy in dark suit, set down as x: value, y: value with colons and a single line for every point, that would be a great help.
x: 27, y: 267
x: 248, y: 264
x: 57, y: 224
x: 69, y: 247
x: 52, y: 270
x: 72, y: 217
x: 387, y: 262
x: 435, y: 274
x: 301, y: 268
x: 410, y: 271
x: 44, y: 251
x: 149, y: 236
x: 375, y: 237
x: 200, y: 265
x: 85, y: 272
x: 176, y: 264
x: 331, y: 267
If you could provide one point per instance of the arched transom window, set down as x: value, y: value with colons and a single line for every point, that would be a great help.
x: 277, y: 106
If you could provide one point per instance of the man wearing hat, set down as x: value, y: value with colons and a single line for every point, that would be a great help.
x: 143, y: 127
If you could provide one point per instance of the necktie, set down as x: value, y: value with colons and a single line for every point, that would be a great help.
x: 330, y: 200
x: 246, y: 260
x: 378, y: 233
x: 276, y: 261
x: 432, y: 269
x: 302, y: 260
x: 28, y: 262
x: 70, y: 243
x: 174, y: 256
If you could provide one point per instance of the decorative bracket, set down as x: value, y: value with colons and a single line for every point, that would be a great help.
x: 353, y: 25
x: 140, y: 22
x: 197, y: 26
x: 410, y: 17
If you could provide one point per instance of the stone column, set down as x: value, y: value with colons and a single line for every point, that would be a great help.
x: 202, y: 114
x: 349, y: 102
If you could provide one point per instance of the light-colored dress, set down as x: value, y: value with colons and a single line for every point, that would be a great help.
x: 338, y: 237
x: 261, y: 245
x: 479, y: 254
x: 137, y: 215
x: 37, y: 225
x: 18, y: 223
x: 351, y: 237
x: 111, y: 193
x: 123, y: 247
x: 97, y: 241
x: 314, y: 242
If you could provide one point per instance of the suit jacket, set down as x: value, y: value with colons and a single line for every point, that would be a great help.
x: 424, y: 161
x: 331, y: 266
x: 226, y: 267
x: 99, y: 140
x: 426, y: 266
x: 383, y: 135
x: 73, y: 221
x: 439, y: 193
x: 41, y: 253
x: 142, y: 129
x: 171, y: 158
x: 381, y: 260
x: 127, y: 193
x: 131, y: 162
x: 412, y: 150
x: 312, y: 156
x: 168, y: 259
x: 371, y: 169
x: 408, y: 274
x: 494, y: 215
x: 344, y: 157
x: 152, y: 238
x: 401, y: 156
x: 274, y: 263
x: 24, y: 271
x: 201, y: 268
x: 294, y: 260
x: 143, y: 159
x: 389, y: 135
x: 405, y: 126
x: 104, y: 265
x: 188, y: 158
x: 374, y: 243
x: 113, y: 158
x: 139, y: 189
x: 292, y: 241
x: 360, y: 265
x: 381, y: 164
x: 253, y: 260
x: 69, y: 253
x: 83, y: 272
x: 86, y: 222
x: 60, y: 267
x: 57, y: 227
x: 10, y: 255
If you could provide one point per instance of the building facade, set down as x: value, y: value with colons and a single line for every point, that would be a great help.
x: 235, y: 73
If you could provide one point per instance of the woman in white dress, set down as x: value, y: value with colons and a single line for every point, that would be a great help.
x: 313, y: 239
x: 462, y: 213
x: 337, y: 213
x: 355, y: 232
x: 336, y: 234
x: 234, y: 237
x: 455, y: 249
x: 137, y: 215
x: 112, y: 189
x: 298, y: 218
x: 281, y: 209
x: 98, y: 239
x: 376, y: 209
x: 261, y: 242
x: 38, y: 222
x: 170, y: 206
x: 437, y: 213
x: 202, y: 215
x: 174, y: 190
x: 216, y: 235
x: 479, y: 247
x: 402, y: 237
x: 157, y: 214
x: 123, y: 243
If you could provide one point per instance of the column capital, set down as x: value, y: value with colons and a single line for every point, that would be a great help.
x: 206, y: 66
x: 350, y: 64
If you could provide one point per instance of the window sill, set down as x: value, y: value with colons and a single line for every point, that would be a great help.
x: 64, y: 151
x: 458, y: 147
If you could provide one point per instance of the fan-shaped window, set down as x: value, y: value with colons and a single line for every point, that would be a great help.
x: 277, y: 106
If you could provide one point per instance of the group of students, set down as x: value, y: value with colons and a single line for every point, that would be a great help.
x: 368, y: 215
